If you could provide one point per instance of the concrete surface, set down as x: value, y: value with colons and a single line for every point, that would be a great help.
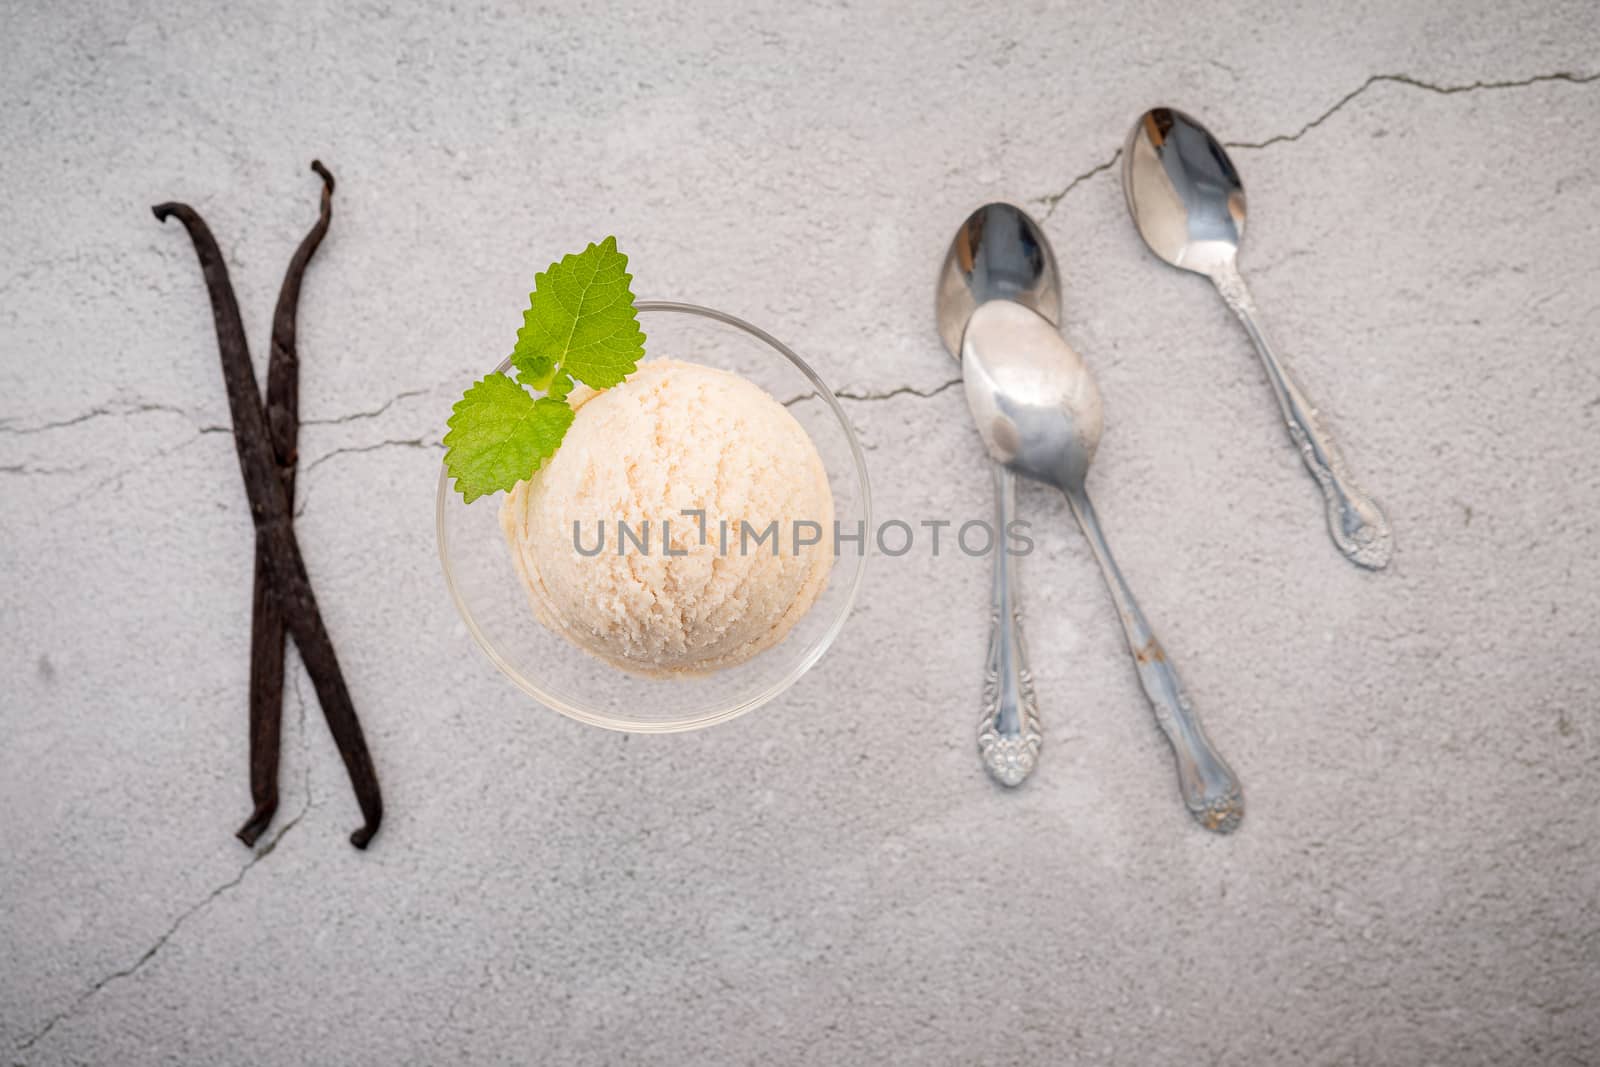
x: 832, y: 880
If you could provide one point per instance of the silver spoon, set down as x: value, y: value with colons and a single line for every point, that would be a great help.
x: 1001, y: 252
x: 1038, y: 411
x: 1188, y: 202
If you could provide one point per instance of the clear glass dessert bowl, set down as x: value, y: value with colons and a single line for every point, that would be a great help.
x: 493, y: 602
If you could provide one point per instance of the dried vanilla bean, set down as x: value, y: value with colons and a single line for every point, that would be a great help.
x: 269, y: 506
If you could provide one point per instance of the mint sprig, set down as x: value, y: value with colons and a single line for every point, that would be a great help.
x: 580, y: 325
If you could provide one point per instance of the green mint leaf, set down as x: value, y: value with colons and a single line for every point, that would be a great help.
x: 499, y: 435
x: 581, y: 318
x: 560, y: 385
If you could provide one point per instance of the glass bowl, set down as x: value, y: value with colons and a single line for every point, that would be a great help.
x: 494, y: 604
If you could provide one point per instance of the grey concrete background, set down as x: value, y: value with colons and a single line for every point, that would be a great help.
x: 831, y: 880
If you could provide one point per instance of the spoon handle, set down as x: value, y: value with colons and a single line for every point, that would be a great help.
x: 1357, y: 524
x: 1211, y: 791
x: 1009, y: 736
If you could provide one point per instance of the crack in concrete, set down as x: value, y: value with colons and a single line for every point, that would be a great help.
x: 303, y: 489
x: 903, y: 390
x: 201, y: 431
x: 411, y: 442
x: 374, y: 413
x: 178, y: 923
x: 116, y: 477
x: 144, y: 408
x: 1415, y: 83
x: 899, y: 390
x: 24, y: 469
x: 1052, y: 200
x: 8, y: 426
x: 305, y: 743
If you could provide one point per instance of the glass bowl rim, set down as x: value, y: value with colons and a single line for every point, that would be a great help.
x: 773, y: 689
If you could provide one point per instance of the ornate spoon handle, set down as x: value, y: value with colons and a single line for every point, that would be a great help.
x: 1008, y: 736
x: 1211, y: 791
x: 1358, y: 526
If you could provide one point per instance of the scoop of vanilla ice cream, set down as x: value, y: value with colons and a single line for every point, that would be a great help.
x: 674, y: 437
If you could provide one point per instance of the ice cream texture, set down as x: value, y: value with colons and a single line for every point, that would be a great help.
x: 674, y: 438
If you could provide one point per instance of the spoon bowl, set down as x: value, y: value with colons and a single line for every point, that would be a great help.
x: 1036, y: 404
x: 999, y: 253
x: 1183, y: 192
